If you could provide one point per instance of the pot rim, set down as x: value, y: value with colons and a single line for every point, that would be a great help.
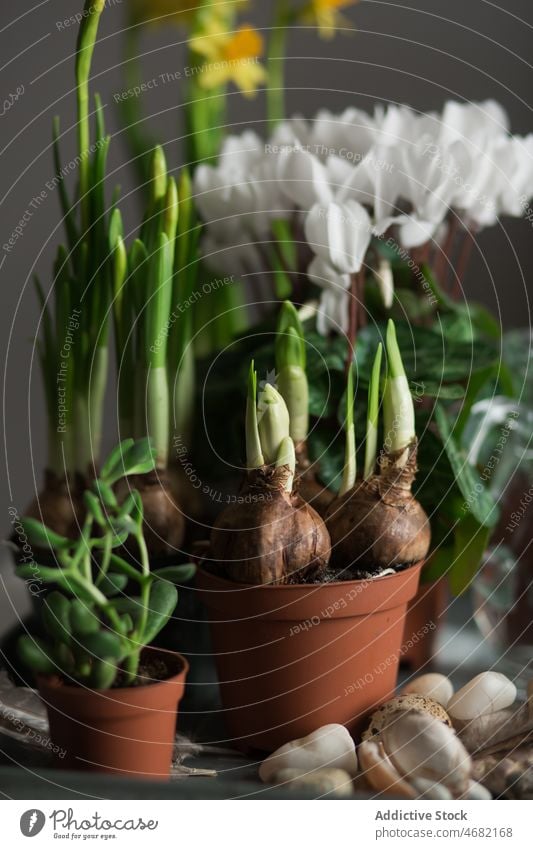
x: 233, y: 585
x: 299, y: 601
x: 52, y: 682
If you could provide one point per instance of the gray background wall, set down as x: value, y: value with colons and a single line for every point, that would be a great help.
x: 420, y: 52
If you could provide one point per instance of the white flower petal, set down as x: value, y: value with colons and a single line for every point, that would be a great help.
x: 304, y: 179
x: 339, y: 234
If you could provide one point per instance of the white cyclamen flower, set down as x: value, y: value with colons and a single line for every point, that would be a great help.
x: 332, y: 314
x: 339, y: 233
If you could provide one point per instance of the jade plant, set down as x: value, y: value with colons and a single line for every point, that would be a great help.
x: 270, y: 535
x: 376, y: 523
x: 94, y: 634
x: 291, y: 376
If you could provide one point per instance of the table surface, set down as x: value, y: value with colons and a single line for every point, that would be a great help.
x: 461, y: 653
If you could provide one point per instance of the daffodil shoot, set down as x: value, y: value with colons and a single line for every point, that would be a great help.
x: 376, y: 523
x: 270, y: 536
x: 291, y: 377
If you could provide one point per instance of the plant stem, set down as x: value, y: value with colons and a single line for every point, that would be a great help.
x: 349, y: 472
x: 97, y: 389
x: 352, y: 321
x: 254, y: 453
x: 276, y: 51
x: 465, y: 253
x: 372, y: 416
x: 85, y: 47
x: 287, y: 457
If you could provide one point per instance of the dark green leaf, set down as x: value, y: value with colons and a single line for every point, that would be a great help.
x: 42, y: 537
x: 114, y: 461
x: 103, y: 645
x: 83, y: 618
x: 94, y: 507
x: 56, y: 617
x: 477, y: 499
x: 163, y: 600
x: 112, y: 584
x: 470, y: 542
x: 176, y: 574
x: 36, y: 654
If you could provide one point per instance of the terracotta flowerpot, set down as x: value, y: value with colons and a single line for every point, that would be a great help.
x: 291, y: 658
x: 424, y: 616
x: 125, y: 731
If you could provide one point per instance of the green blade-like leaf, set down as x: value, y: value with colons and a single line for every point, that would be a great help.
x: 477, y: 499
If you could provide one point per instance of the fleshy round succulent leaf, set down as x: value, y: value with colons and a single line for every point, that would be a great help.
x: 36, y: 654
x: 112, y: 584
x: 163, y: 600
x: 176, y: 574
x: 56, y: 617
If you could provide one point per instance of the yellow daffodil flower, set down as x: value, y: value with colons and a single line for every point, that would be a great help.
x: 229, y: 57
x: 326, y: 15
x: 179, y: 12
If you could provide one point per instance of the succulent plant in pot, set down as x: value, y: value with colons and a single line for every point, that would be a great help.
x: 111, y: 699
x: 297, y: 644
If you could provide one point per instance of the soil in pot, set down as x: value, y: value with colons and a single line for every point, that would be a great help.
x: 293, y: 657
x: 127, y: 731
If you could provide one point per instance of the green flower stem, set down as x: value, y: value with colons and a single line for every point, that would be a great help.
x: 84, y: 52
x: 373, y: 415
x: 276, y: 51
x: 254, y: 453
x: 349, y: 472
x: 157, y: 412
x: 97, y: 390
x: 82, y: 418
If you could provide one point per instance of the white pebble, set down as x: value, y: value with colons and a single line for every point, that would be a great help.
x: 433, y: 686
x: 329, y: 746
x: 319, y: 782
x: 430, y: 789
x: 486, y: 693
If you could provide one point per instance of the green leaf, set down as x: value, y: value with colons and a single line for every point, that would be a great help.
x: 56, y: 617
x: 36, y: 654
x: 114, y: 461
x: 102, y: 675
x: 470, y: 543
x: 103, y: 645
x: 42, y: 537
x: 475, y: 385
x: 94, y: 508
x: 112, y: 584
x: 176, y: 574
x: 477, y: 499
x: 83, y: 619
x: 140, y: 458
x: 106, y: 494
x: 163, y: 600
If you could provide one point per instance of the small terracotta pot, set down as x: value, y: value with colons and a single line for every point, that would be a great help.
x: 294, y: 657
x: 425, y: 614
x: 125, y: 731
